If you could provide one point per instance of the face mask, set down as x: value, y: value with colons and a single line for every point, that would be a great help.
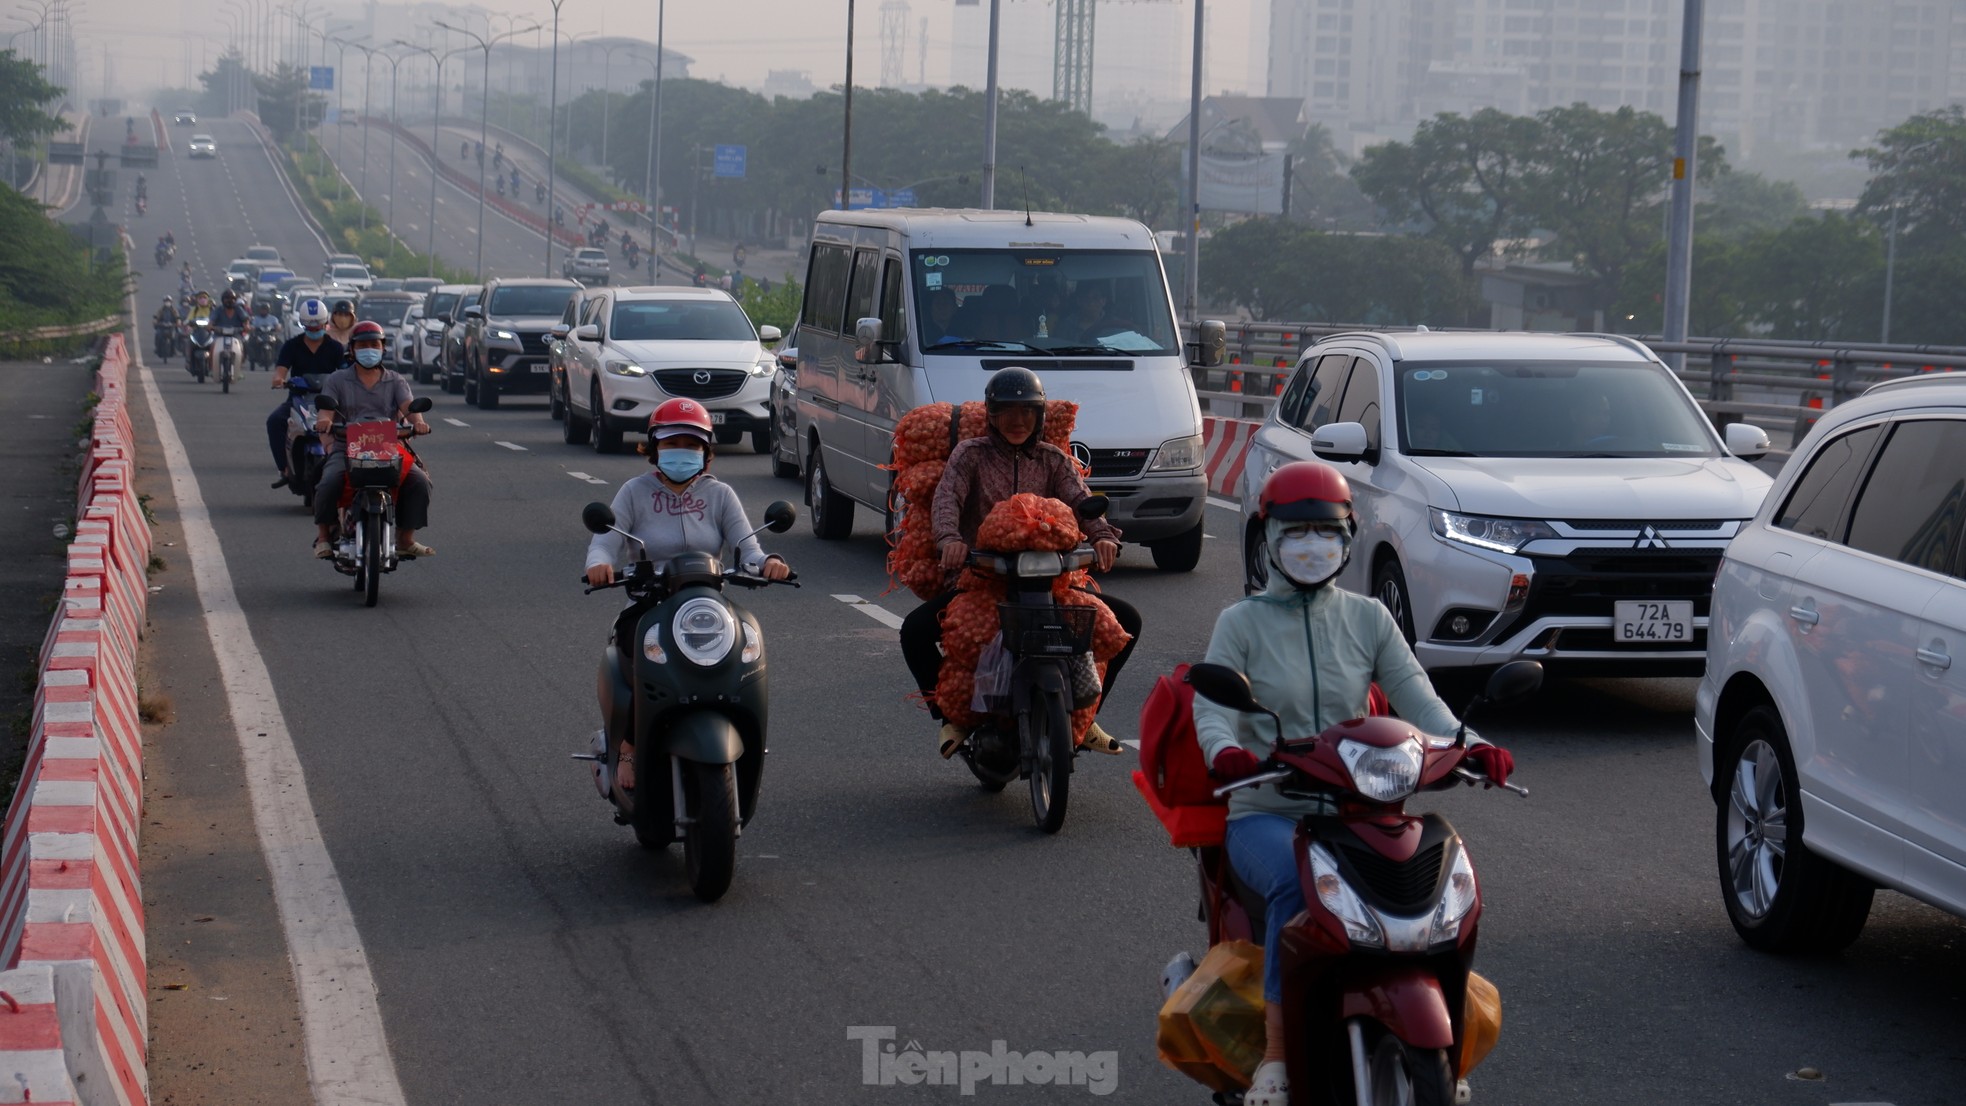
x: 1311, y: 559
x: 368, y: 358
x: 312, y: 331
x: 679, y: 464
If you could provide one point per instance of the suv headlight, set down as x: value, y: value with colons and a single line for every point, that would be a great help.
x: 1338, y: 897
x: 504, y: 335
x: 1503, y: 535
x: 704, y: 630
x: 626, y: 368
x: 765, y: 367
x: 1382, y: 774
x: 1178, y: 453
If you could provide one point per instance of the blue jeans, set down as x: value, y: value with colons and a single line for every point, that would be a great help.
x: 276, y: 435
x: 1262, y: 849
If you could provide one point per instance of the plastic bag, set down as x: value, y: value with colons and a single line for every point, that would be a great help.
x: 1211, y: 1027
x: 993, y: 665
x: 1482, y: 1016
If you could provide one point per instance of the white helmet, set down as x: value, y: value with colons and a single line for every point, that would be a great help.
x: 312, y: 312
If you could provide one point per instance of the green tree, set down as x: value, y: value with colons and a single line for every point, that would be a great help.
x: 1817, y: 279
x: 1919, y: 167
x: 1280, y: 270
x: 221, y: 81
x: 23, y: 94
x: 1717, y: 309
x: 1460, y: 181
x: 1736, y: 204
x: 1322, y: 191
x: 285, y: 105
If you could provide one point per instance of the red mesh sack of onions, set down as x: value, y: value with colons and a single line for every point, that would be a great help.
x: 975, y: 421
x: 1060, y: 416
x: 922, y: 435
x: 916, y: 484
x: 968, y: 622
x: 1107, y: 636
x: 1028, y: 521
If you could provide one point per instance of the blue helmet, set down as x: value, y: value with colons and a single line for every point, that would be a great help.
x: 312, y: 313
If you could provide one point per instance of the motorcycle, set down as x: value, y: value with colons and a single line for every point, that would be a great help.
x: 261, y: 348
x: 539, y: 193
x: 164, y: 253
x: 198, y: 348
x: 379, y: 458
x: 1376, y: 968
x: 142, y: 205
x: 229, y: 356
x: 684, y: 680
x: 305, y: 453
x: 1031, y: 739
x: 163, y: 340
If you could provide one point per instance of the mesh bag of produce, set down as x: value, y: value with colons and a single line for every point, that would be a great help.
x: 1027, y: 521
x: 922, y: 435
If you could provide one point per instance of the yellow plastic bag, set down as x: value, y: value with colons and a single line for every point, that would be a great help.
x: 1482, y: 1023
x: 1211, y: 1027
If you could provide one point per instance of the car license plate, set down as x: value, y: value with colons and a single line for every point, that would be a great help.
x: 716, y: 418
x: 541, y: 368
x: 1648, y: 621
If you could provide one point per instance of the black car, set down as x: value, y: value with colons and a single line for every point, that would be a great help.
x: 506, y: 336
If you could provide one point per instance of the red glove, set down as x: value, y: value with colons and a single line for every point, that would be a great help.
x: 1492, y: 761
x: 1235, y: 763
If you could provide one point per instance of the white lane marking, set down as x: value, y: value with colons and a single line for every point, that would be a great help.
x: 584, y: 476
x: 348, y: 1059
x: 872, y: 610
x: 512, y: 447
x: 1225, y: 504
x: 1131, y: 744
x: 457, y: 422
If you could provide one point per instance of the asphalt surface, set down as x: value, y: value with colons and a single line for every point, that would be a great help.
x: 524, y: 947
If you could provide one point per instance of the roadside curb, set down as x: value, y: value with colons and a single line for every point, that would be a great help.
x: 1225, y: 446
x: 73, y: 1019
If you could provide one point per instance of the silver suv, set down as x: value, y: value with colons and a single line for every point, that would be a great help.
x: 586, y: 265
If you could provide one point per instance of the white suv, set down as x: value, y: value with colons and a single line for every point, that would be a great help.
x: 1555, y: 496
x: 1832, y: 718
x: 633, y: 348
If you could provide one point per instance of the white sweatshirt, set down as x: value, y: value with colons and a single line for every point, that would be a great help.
x: 705, y: 517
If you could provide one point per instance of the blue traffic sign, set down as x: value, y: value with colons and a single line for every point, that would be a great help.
x: 730, y: 161
x: 320, y: 77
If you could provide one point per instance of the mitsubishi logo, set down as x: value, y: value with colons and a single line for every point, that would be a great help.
x: 702, y: 376
x: 1649, y: 538
x: 1082, y: 455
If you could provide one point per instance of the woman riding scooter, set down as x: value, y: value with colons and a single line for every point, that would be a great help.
x: 1311, y: 652
x: 677, y: 508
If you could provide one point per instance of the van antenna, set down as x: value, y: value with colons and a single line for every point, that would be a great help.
x: 1027, y: 194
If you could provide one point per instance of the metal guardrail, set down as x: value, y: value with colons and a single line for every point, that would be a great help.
x: 70, y: 330
x: 1749, y: 380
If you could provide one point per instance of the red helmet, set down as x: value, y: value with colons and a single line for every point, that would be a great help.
x: 680, y: 417
x: 1305, y: 491
x: 367, y: 330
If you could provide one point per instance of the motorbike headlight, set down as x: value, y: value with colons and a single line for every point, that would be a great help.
x: 754, y: 646
x: 1040, y: 564
x: 704, y: 630
x: 1503, y: 535
x: 1382, y: 774
x: 1456, y: 899
x: 626, y: 368
x: 1178, y: 453
x: 1337, y: 896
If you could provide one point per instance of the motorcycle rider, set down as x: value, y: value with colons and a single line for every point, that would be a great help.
x: 312, y: 354
x: 1312, y: 652
x: 201, y: 306
x: 164, y: 322
x: 230, y: 315
x: 341, y: 321
x: 365, y: 390
x: 539, y: 192
x: 265, y: 321
x: 678, y: 507
x: 982, y: 472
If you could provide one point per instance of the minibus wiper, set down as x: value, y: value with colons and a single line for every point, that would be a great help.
x: 980, y: 343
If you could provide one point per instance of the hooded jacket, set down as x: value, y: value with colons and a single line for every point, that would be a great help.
x: 1311, y: 656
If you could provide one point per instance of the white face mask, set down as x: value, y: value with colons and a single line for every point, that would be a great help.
x: 1311, y: 559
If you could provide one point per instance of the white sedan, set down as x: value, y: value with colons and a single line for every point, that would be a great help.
x: 202, y: 145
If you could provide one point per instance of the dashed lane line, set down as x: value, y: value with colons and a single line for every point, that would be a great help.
x: 1225, y: 504
x: 584, y: 476
x: 872, y: 610
x: 457, y: 422
x: 512, y: 446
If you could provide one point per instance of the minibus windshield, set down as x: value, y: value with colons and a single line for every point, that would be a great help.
x: 1052, y: 302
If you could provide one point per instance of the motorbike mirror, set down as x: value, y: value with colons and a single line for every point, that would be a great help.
x: 420, y: 404
x: 1091, y: 507
x: 1514, y: 681
x: 597, y: 517
x: 1218, y: 683
x: 780, y: 516
x: 325, y: 403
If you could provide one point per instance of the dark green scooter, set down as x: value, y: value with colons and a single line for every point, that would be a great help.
x: 684, y: 679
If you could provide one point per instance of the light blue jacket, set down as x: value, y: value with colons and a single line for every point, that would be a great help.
x: 1311, y: 657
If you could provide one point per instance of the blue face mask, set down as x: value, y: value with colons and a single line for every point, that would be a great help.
x: 679, y: 464
x: 313, y: 331
x: 368, y: 358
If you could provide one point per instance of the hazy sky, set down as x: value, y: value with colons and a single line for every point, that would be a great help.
x: 737, y: 40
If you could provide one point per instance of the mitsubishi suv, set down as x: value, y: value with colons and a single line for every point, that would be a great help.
x: 1831, y: 723
x: 505, y: 336
x: 1552, y: 496
x: 633, y: 348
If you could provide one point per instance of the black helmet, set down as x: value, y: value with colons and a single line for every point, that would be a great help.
x: 342, y: 307
x: 1014, y: 387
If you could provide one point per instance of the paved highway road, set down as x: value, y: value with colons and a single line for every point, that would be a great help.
x: 525, y: 949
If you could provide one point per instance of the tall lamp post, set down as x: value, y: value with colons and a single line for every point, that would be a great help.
x: 484, y: 127
x: 1891, y: 238
x: 395, y: 121
x: 368, y: 65
x: 846, y: 136
x: 436, y: 119
x: 552, y: 110
x: 654, y: 163
x: 607, y: 92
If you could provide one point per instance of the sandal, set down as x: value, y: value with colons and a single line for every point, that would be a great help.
x: 952, y: 738
x: 323, y: 550
x: 1099, y: 741
x: 414, y: 550
x: 1270, y: 1086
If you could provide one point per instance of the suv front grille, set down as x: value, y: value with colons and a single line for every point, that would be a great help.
x: 1587, y: 583
x: 533, y: 343
x: 700, y: 383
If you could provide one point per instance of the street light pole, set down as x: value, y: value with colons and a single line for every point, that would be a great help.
x: 484, y: 129
x: 552, y: 111
x: 1685, y: 166
x: 395, y: 121
x: 990, y: 115
x: 846, y: 138
x: 436, y: 119
x: 368, y: 65
x: 1192, y: 278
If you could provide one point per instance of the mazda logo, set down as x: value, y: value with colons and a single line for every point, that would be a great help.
x: 1082, y: 455
x: 702, y: 376
x: 1649, y: 538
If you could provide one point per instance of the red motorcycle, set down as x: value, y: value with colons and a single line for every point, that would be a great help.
x: 1376, y: 968
x: 379, y: 460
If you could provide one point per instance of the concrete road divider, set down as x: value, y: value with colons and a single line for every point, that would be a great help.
x: 1225, y: 444
x: 73, y: 1023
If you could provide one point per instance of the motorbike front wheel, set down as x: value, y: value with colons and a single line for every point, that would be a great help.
x: 1047, y: 737
x: 371, y: 576
x: 710, y: 839
x: 1398, y: 1074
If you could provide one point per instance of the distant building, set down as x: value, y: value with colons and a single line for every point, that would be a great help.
x: 793, y: 84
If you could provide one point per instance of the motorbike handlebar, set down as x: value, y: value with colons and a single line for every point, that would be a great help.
x: 1474, y: 777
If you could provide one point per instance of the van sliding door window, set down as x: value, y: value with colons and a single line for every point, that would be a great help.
x: 826, y: 280
x: 863, y: 293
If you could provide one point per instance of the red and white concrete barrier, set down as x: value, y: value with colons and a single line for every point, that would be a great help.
x: 73, y: 1026
x: 1225, y: 445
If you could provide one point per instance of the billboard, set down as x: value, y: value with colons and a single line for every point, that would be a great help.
x: 1250, y: 183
